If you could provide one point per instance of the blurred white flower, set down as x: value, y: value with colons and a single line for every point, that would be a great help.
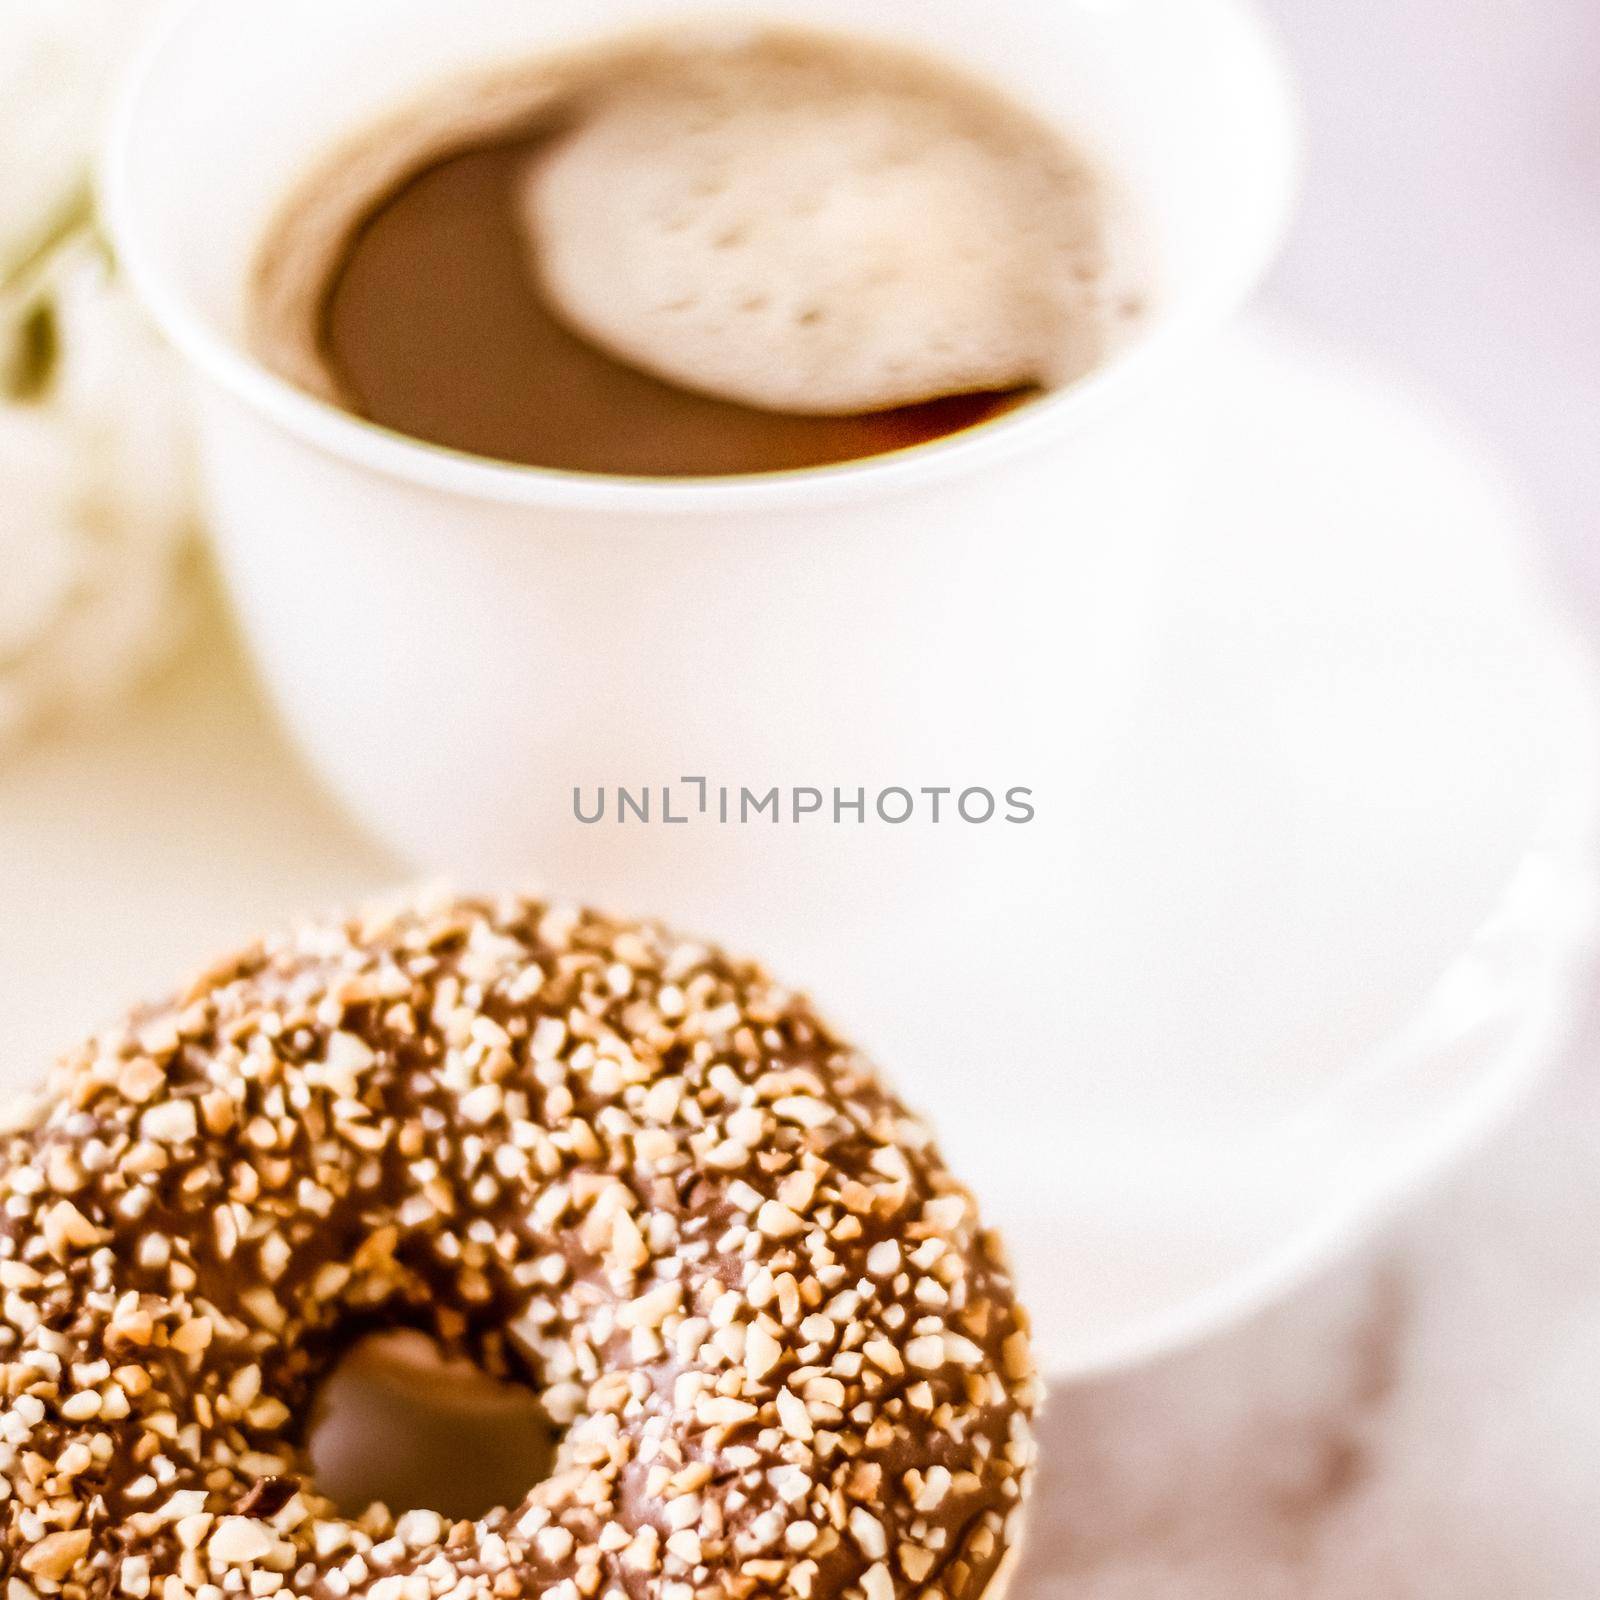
x: 58, y: 60
x: 95, y: 492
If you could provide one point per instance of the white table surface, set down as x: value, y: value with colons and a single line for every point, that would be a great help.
x: 185, y: 804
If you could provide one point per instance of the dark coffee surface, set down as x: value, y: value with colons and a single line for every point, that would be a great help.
x: 433, y: 325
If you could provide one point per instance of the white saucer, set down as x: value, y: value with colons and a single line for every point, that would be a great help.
x: 1340, y: 871
x: 1342, y: 874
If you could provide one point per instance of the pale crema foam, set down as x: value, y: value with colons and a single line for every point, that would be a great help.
x: 821, y: 226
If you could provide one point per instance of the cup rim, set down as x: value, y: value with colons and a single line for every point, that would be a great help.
x: 1175, y: 326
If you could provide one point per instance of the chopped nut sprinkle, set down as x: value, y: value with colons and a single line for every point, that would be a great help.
x: 626, y: 1170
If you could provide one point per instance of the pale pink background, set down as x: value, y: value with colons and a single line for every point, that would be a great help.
x: 1427, y: 1425
x: 1452, y: 219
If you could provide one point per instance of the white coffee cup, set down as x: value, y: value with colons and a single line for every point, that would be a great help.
x: 458, y: 645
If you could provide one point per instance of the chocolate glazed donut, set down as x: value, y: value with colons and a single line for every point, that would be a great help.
x: 617, y: 1166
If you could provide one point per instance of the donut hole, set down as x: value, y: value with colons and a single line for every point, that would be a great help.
x: 397, y: 1421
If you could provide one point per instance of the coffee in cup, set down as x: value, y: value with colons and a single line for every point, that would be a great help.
x: 701, y: 252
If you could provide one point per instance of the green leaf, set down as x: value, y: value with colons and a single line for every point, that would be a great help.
x: 35, y: 355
